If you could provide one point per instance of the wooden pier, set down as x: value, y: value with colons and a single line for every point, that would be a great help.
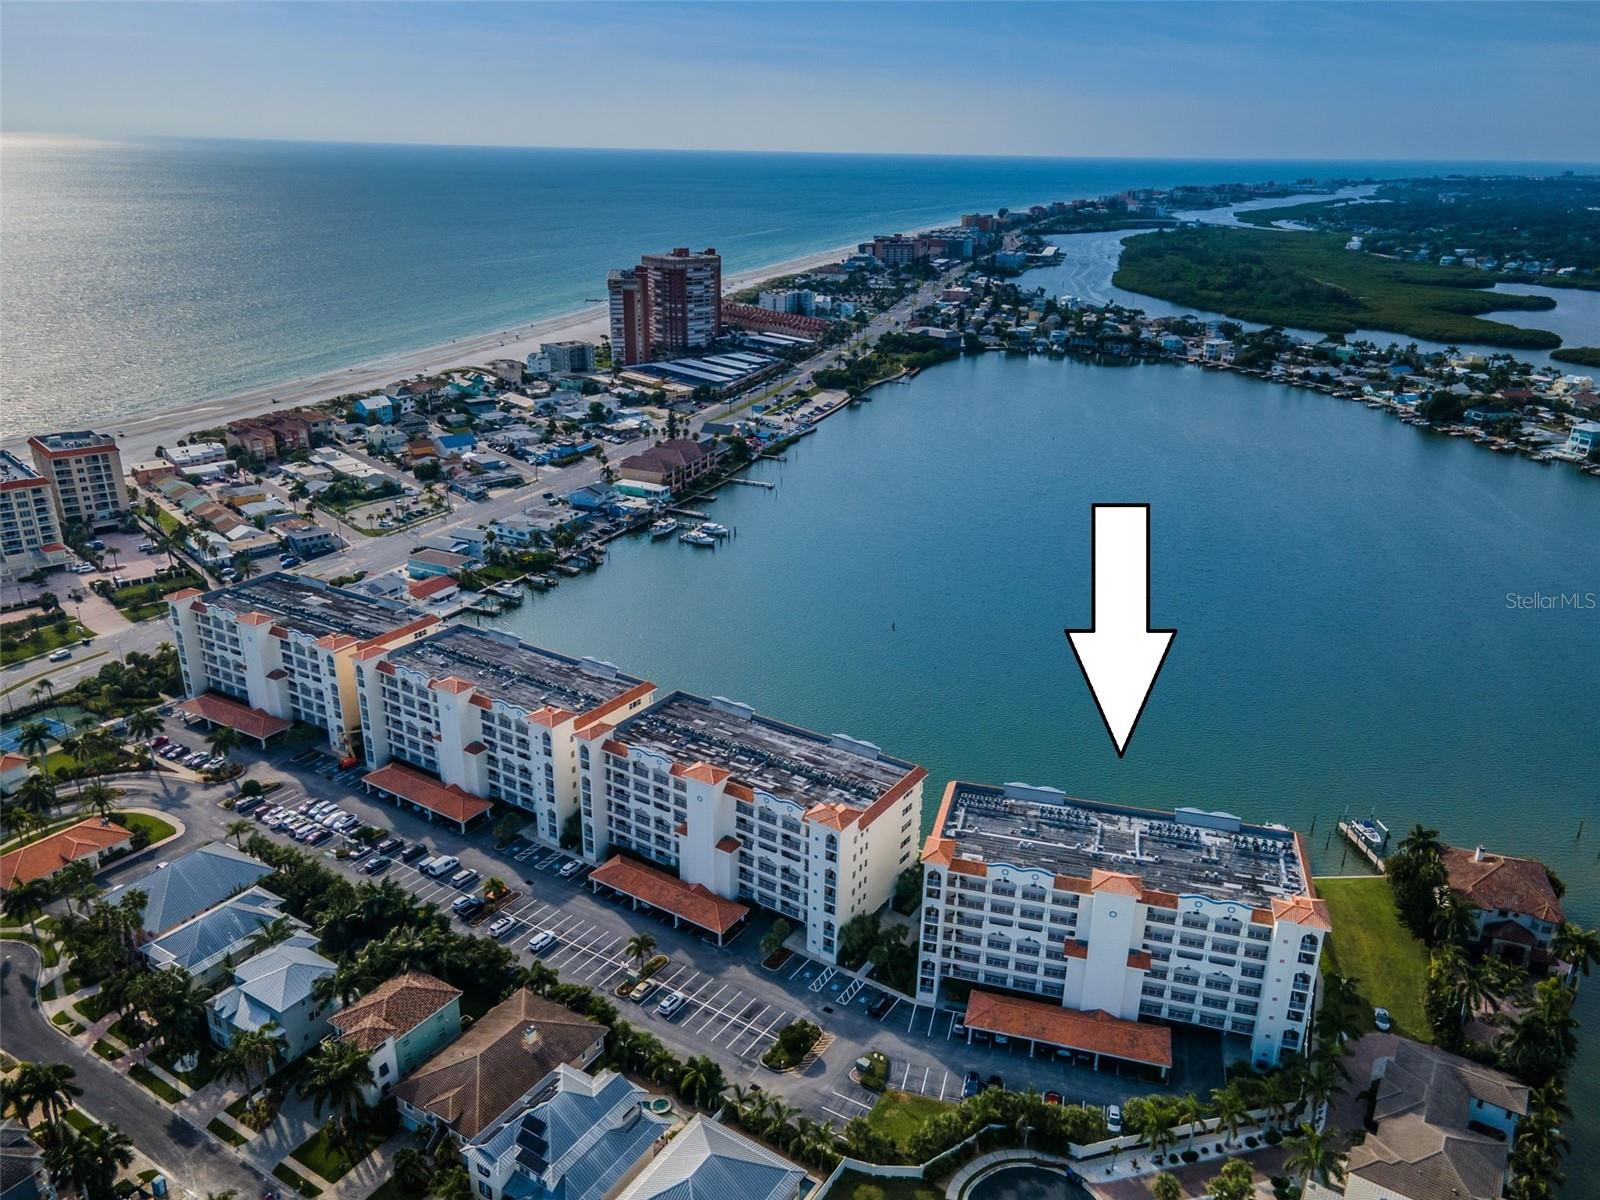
x: 1350, y: 828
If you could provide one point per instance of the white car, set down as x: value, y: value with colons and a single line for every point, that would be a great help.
x: 542, y: 940
x: 672, y: 1004
x: 60, y: 655
x: 568, y: 870
x: 441, y: 865
x: 500, y: 926
x: 1114, y: 1119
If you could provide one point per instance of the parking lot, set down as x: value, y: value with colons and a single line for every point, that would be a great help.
x: 734, y: 1008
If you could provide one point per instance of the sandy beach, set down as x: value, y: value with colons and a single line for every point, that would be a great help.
x: 139, y: 436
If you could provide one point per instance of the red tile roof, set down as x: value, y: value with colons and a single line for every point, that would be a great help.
x: 392, y: 1009
x: 1498, y: 881
x: 431, y: 586
x: 1097, y: 1032
x: 693, y: 902
x: 225, y: 710
x: 41, y: 859
x: 446, y: 799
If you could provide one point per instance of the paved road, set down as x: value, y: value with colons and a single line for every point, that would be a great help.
x: 145, y: 636
x: 193, y: 1160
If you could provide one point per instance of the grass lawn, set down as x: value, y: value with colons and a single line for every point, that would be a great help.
x: 78, y: 1121
x: 66, y: 1022
x: 204, y: 1072
x: 318, y: 1153
x: 18, y: 643
x: 92, y: 1008
x: 1309, y: 281
x: 107, y: 1051
x: 226, y: 1132
x: 304, y: 1186
x: 144, y: 1076
x: 898, y: 1115
x: 152, y: 827
x: 1369, y: 944
x: 852, y: 1184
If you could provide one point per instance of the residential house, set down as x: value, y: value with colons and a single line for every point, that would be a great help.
x: 206, y: 944
x: 374, y: 408
x: 386, y: 439
x: 707, y: 1161
x: 306, y: 539
x: 1517, y: 909
x: 255, y: 440
x: 22, y: 1171
x: 430, y: 561
x: 495, y: 1066
x: 191, y: 883
x: 276, y: 988
x: 1584, y: 438
x: 14, y: 769
x: 435, y: 589
x: 453, y: 445
x: 400, y: 1024
x: 575, y: 1138
x: 88, y: 841
x: 1444, y: 1127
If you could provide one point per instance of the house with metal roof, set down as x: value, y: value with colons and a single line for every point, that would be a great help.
x: 708, y: 1161
x: 276, y: 988
x: 22, y: 1171
x: 205, y: 945
x: 192, y: 883
x: 576, y: 1138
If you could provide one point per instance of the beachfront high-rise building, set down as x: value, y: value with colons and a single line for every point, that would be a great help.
x: 742, y: 806
x: 85, y: 469
x: 468, y: 715
x: 630, y: 319
x: 30, y: 534
x: 668, y: 304
x: 1110, y: 914
x: 259, y: 655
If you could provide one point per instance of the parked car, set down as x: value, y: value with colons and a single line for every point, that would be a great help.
x: 377, y: 864
x: 971, y: 1085
x: 467, y: 907
x: 500, y: 926
x: 641, y: 990
x: 1052, y: 1097
x: 880, y: 1006
x: 248, y: 805
x: 1114, y: 1119
x: 465, y: 877
x: 439, y: 866
x: 318, y: 836
x: 542, y: 941
x: 413, y: 852
x: 673, y: 1002
x: 159, y: 740
x: 568, y: 870
x: 390, y: 844
x: 359, y: 851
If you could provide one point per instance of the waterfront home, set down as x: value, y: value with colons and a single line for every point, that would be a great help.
x: 577, y: 1137
x: 705, y: 1159
x: 432, y: 561
x: 190, y: 884
x: 276, y: 987
x: 672, y: 465
x: 371, y: 409
x: 204, y: 944
x: 1584, y: 439
x: 305, y: 539
x: 400, y: 1024
x: 496, y: 1066
x: 1514, y: 902
x: 1441, y: 1126
x: 89, y: 841
x: 194, y: 454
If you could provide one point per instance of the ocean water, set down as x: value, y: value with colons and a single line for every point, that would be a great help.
x: 153, y: 274
x: 1338, y: 582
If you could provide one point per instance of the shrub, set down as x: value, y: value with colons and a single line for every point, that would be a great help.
x: 792, y: 1045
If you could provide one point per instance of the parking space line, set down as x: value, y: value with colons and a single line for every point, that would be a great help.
x: 943, y: 1083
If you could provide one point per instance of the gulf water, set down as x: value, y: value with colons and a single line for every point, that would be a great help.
x: 153, y: 274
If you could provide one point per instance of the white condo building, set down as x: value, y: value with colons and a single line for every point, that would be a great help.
x: 1118, y: 917
x: 489, y: 717
x: 30, y: 534
x: 744, y: 807
x: 262, y: 654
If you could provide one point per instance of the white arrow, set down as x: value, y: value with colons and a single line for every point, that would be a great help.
x: 1119, y: 654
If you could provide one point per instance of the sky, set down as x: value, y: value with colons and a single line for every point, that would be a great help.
x: 1480, y: 81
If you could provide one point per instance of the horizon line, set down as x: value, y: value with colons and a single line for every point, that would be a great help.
x: 6, y: 134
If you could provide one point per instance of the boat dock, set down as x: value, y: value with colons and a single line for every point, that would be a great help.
x: 761, y: 483
x: 1368, y: 835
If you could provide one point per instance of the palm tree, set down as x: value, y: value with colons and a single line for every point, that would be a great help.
x: 222, y: 739
x: 539, y: 978
x: 702, y: 1082
x: 1421, y: 840
x: 38, y: 795
x: 243, y: 565
x: 1166, y: 1187
x: 25, y: 901
x: 47, y: 1087
x: 89, y: 1160
x: 639, y: 948
x: 76, y: 882
x: 1231, y: 1108
x: 34, y: 738
x: 338, y: 1075
x: 44, y: 688
x: 493, y: 888
x: 1318, y: 1083
x: 98, y: 797
x: 269, y: 935
x: 1455, y: 921
x: 252, y: 1053
x: 239, y: 830
x: 412, y: 1170
x: 144, y: 723
x: 1578, y: 946
x: 1188, y: 1110
x: 1313, y: 1152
